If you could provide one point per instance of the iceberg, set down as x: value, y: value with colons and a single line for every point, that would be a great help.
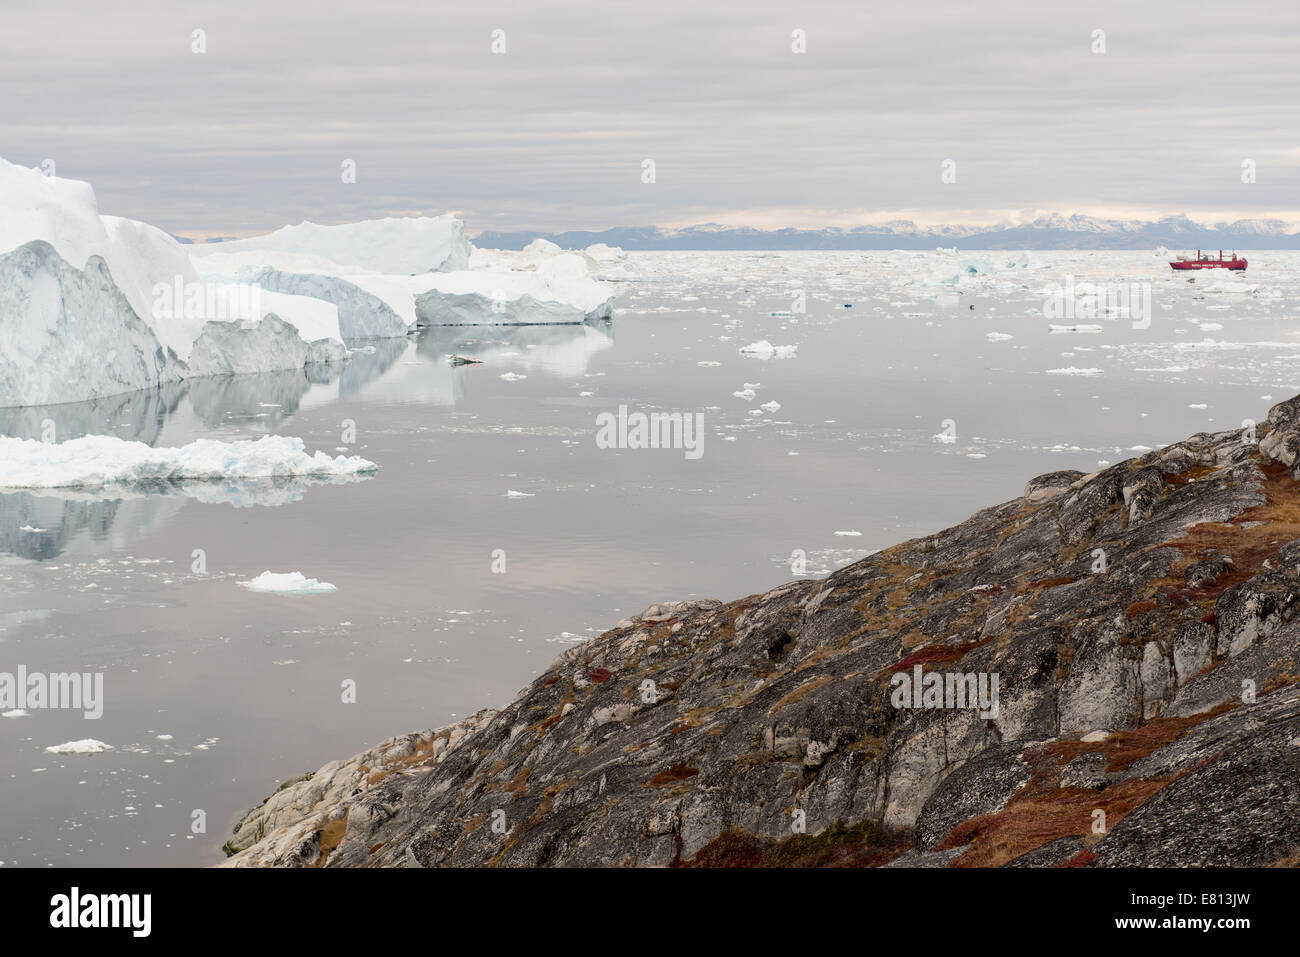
x: 559, y: 289
x: 539, y: 285
x: 95, y: 305
x: 289, y: 583
x: 84, y: 746
x: 765, y: 350
x: 396, y: 246
x: 97, y: 461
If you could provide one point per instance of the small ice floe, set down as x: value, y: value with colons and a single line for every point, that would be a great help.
x: 28, y: 528
x: 511, y: 493
x: 84, y: 746
x: 997, y: 336
x: 568, y: 638
x: 707, y: 364
x: 163, y: 737
x: 765, y: 350
x: 746, y: 394
x: 15, y: 713
x: 975, y: 455
x: 852, y: 533
x: 1211, y: 326
x: 1073, y: 370
x: 458, y: 360
x: 287, y: 583
x: 585, y: 395
x: 1198, y: 405
x: 512, y: 376
x: 770, y: 406
x: 1081, y: 327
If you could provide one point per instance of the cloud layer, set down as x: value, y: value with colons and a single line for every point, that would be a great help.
x: 552, y: 134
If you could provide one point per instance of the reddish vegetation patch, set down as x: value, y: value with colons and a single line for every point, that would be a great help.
x: 678, y: 772
x: 1027, y: 823
x: 1052, y: 582
x: 1082, y: 859
x: 1043, y: 811
x: 1248, y: 548
x: 600, y: 674
x: 1210, y: 619
x: 862, y: 845
x: 1140, y: 608
x: 931, y: 655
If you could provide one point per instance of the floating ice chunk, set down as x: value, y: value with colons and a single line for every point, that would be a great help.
x: 765, y: 350
x: 289, y: 583
x: 15, y: 713
x: 852, y: 533
x: 84, y: 746
x: 746, y: 394
x: 511, y: 493
x: 997, y: 336
x: 1197, y: 405
x: 1081, y: 327
x: 512, y: 376
x: 770, y: 406
x: 100, y: 460
x: 1073, y: 370
x: 707, y: 364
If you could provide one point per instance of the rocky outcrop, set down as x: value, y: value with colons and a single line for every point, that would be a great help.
x: 1140, y: 622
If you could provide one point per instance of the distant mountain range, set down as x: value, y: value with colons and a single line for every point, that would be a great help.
x: 1046, y: 232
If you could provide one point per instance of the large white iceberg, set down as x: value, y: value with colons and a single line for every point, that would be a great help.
x: 541, y: 284
x: 95, y: 305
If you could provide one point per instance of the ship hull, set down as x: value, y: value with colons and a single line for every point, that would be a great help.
x: 1236, y: 265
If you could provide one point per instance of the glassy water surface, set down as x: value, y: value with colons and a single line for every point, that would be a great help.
x: 215, y: 694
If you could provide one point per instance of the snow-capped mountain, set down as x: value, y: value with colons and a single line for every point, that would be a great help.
x: 1054, y: 231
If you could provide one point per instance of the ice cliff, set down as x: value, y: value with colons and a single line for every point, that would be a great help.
x: 94, y: 305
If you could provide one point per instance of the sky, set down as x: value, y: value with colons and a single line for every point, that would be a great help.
x: 553, y: 133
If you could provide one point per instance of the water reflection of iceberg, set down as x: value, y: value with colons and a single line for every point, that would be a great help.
x: 43, y: 525
x: 562, y: 350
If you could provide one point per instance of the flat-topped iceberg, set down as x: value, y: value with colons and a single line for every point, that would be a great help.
x: 401, y: 246
x: 558, y: 289
x: 541, y: 284
x: 97, y: 461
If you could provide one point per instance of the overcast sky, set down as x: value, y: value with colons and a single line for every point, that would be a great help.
x: 552, y: 134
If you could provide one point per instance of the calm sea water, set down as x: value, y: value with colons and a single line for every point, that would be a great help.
x: 215, y: 694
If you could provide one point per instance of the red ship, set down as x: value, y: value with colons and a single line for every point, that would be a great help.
x: 1203, y: 261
